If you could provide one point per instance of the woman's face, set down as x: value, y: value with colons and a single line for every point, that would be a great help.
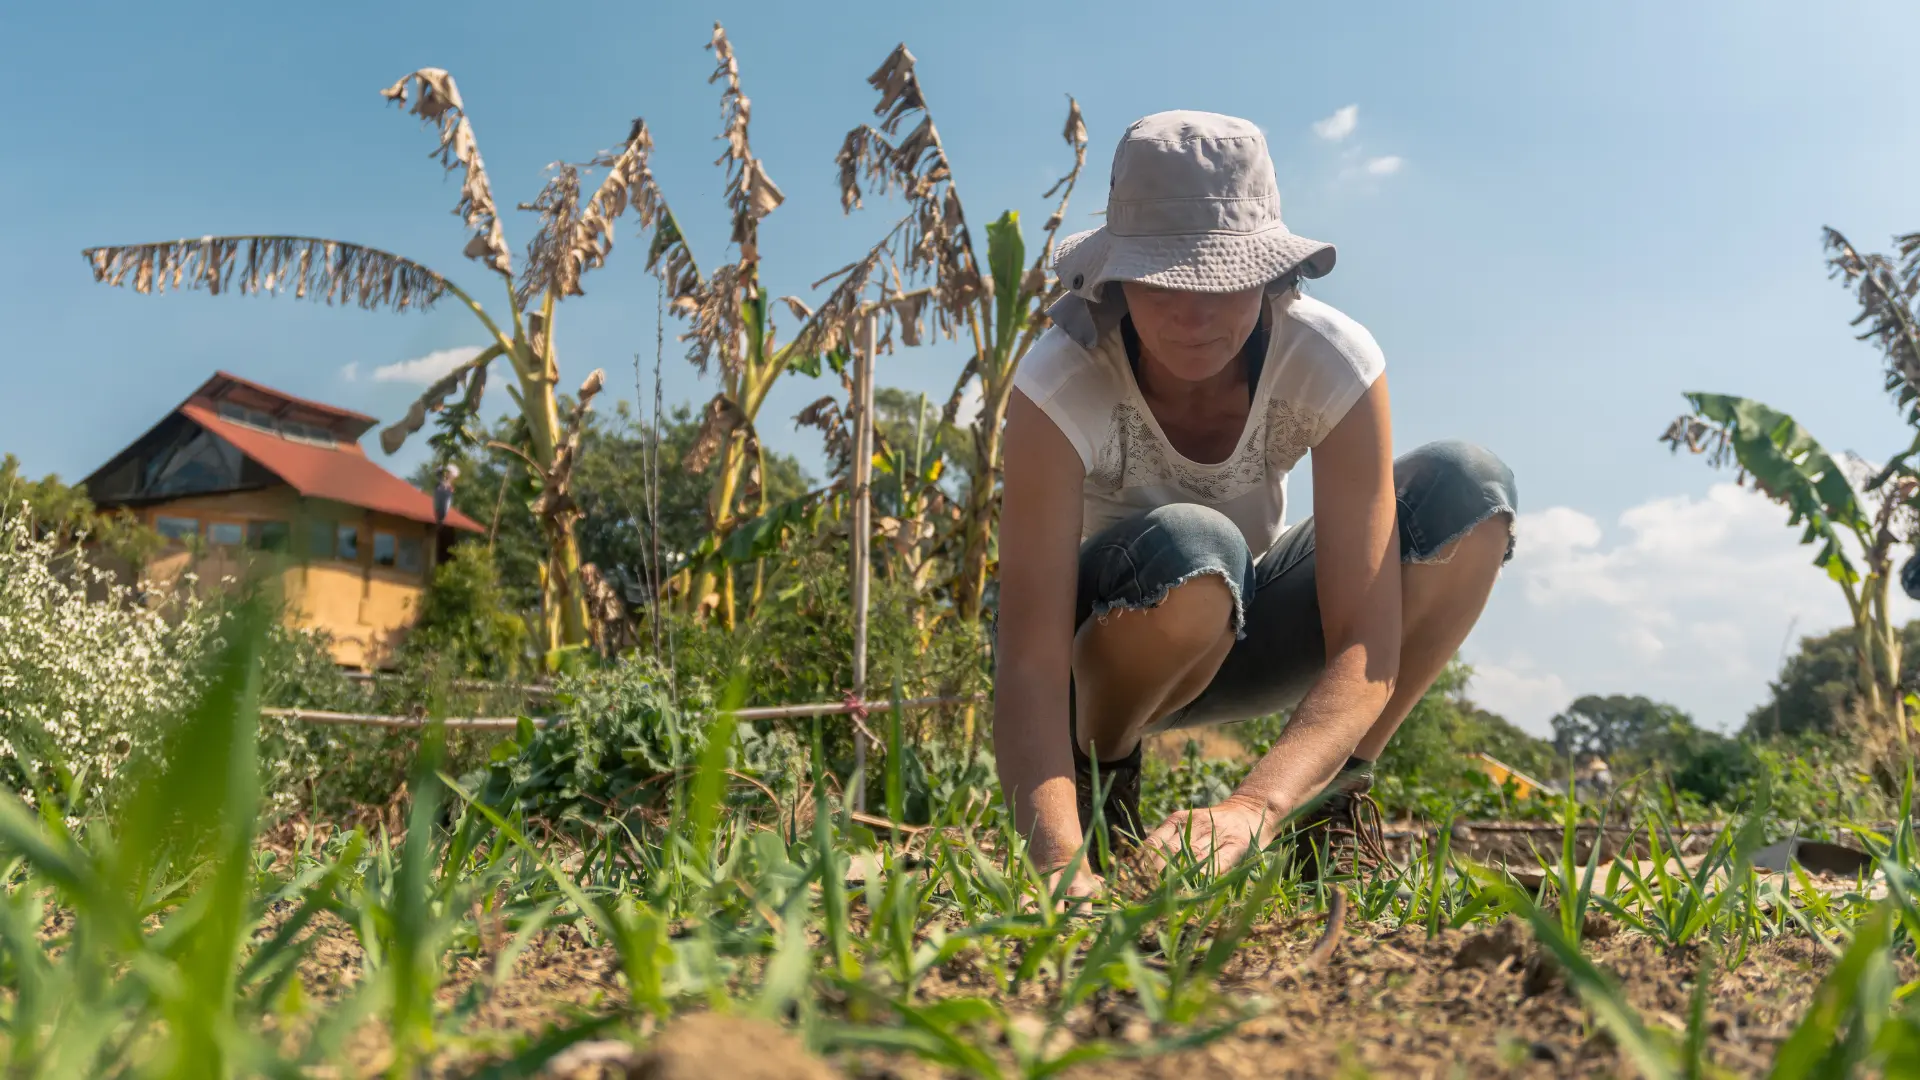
x: 1193, y: 335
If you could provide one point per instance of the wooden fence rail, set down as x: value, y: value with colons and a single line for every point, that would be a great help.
x: 508, y: 723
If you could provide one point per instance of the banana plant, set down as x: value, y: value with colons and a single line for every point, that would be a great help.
x: 732, y: 323
x: 913, y: 503
x: 999, y: 307
x: 1784, y: 462
x: 572, y: 240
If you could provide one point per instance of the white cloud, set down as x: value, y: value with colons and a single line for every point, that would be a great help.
x: 1685, y: 600
x: 1339, y: 125
x: 424, y: 370
x: 351, y: 372
x: 1519, y: 693
x: 1385, y: 166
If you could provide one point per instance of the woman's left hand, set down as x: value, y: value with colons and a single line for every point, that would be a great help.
x: 1217, y: 836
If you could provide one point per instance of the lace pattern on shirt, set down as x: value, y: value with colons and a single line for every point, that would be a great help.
x: 1134, y: 455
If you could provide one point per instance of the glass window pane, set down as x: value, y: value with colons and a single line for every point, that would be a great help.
x: 412, y: 555
x: 347, y: 543
x: 383, y: 549
x: 177, y: 529
x: 320, y: 539
x: 226, y: 533
x: 267, y: 535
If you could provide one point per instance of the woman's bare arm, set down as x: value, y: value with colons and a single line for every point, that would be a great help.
x: 1040, y: 521
x: 1357, y: 575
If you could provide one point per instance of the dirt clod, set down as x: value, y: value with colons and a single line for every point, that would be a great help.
x: 706, y: 1045
x: 1507, y: 941
x: 1598, y: 927
x: 1542, y: 975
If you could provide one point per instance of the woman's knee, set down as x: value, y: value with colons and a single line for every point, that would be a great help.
x: 1187, y: 562
x: 1449, y: 491
x: 1190, y: 616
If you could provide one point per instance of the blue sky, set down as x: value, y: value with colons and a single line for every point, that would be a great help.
x: 1594, y: 208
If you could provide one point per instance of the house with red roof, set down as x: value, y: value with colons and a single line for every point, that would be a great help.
x: 241, y: 475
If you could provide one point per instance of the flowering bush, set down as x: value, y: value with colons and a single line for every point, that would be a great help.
x: 87, y: 671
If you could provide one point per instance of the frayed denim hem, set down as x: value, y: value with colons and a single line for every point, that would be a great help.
x: 1237, y: 621
x: 1443, y: 552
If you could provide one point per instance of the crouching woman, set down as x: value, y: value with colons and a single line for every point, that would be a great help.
x: 1146, y: 581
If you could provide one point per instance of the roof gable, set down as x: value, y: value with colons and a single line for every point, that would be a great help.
x: 312, y: 447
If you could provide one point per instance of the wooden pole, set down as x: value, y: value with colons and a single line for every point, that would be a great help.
x: 862, y: 537
x: 508, y: 723
x: 841, y: 708
x: 475, y: 723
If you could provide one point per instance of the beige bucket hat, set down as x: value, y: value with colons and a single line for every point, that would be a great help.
x: 1193, y: 205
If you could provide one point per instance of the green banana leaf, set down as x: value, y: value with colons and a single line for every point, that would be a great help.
x: 1790, y: 466
x: 1006, y: 260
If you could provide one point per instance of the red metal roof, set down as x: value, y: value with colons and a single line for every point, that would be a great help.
x: 220, y: 385
x: 342, y: 473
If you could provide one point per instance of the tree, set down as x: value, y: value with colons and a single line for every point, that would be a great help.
x: 572, y: 239
x: 1001, y: 306
x: 1856, y: 521
x: 1635, y: 733
x: 1818, y: 687
x: 61, y: 512
x: 1624, y: 730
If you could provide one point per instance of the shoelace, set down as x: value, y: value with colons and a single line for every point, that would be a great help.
x: 1365, y: 822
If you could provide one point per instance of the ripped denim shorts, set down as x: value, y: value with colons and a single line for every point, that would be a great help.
x: 1443, y: 489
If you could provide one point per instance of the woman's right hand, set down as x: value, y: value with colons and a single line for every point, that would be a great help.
x: 1040, y: 518
x: 1082, y: 884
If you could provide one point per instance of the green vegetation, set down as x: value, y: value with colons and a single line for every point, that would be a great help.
x: 198, y: 884
x: 155, y: 939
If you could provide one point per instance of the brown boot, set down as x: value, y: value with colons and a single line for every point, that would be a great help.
x: 1342, y: 836
x: 1119, y: 811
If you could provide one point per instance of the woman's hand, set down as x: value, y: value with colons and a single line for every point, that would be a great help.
x: 1040, y: 521
x: 1082, y: 884
x: 1218, y: 836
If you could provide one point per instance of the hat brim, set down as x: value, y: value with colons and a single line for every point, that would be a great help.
x: 1194, y: 262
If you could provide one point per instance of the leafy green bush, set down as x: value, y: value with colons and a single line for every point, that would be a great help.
x: 621, y: 734
x: 1811, y: 784
x: 467, y: 628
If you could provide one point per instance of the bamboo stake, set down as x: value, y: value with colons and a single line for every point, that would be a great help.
x: 760, y: 712
x: 532, y: 689
x: 841, y: 708
x: 862, y: 537
x: 322, y: 716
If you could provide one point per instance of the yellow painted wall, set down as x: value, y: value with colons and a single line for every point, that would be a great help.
x: 365, y: 608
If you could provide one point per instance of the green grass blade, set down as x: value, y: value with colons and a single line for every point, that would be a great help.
x: 1833, y: 1037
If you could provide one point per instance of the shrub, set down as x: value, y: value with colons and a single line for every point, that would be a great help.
x: 622, y: 729
x: 466, y: 628
x: 84, y: 679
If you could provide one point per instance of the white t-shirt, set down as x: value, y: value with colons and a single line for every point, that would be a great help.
x: 1318, y: 364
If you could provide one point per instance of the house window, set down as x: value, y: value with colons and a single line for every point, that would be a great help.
x: 346, y: 543
x: 267, y: 535
x: 226, y: 533
x: 385, y: 551
x: 413, y: 555
x: 319, y: 539
x: 177, y: 530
